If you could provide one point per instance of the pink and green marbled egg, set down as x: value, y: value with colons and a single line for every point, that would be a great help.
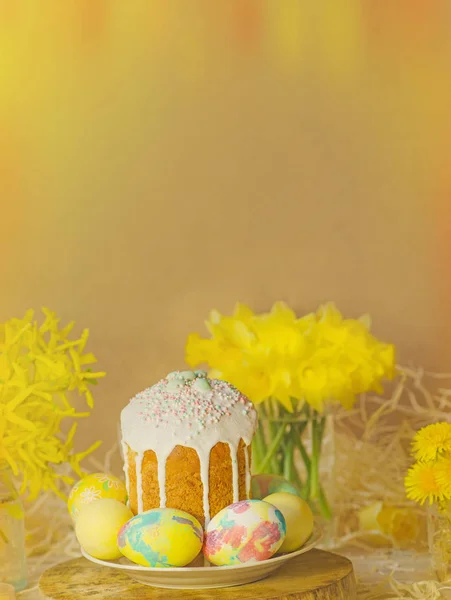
x: 244, y: 532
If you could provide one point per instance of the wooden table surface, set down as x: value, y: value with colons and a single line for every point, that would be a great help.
x: 317, y: 575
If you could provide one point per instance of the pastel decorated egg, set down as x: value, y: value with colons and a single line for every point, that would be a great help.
x: 161, y: 537
x: 265, y: 484
x: 247, y: 531
x: 298, y: 518
x: 95, y: 487
x: 97, y: 526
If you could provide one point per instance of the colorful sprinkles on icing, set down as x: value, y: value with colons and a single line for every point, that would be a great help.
x: 188, y: 396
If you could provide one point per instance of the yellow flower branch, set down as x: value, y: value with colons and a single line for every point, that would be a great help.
x: 39, y: 368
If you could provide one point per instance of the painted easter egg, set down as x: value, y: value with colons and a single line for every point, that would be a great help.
x: 95, y: 487
x: 97, y: 526
x: 244, y: 532
x: 265, y: 484
x: 298, y: 518
x: 161, y: 537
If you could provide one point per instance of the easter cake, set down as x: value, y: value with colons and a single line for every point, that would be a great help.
x: 186, y: 445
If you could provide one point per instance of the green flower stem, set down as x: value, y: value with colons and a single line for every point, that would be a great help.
x: 288, y: 459
x: 306, y: 488
x: 316, y: 492
x: 322, y: 427
x: 258, y: 447
x: 272, y: 449
x: 297, y: 433
x: 324, y: 505
x: 280, y: 432
x: 268, y: 409
x: 314, y: 465
x: 298, y: 442
x: 297, y: 480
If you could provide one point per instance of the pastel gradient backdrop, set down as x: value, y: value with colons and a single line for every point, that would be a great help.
x: 162, y: 157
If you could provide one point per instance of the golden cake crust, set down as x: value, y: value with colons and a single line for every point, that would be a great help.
x: 183, y: 481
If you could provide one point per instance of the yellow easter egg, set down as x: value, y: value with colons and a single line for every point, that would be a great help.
x: 161, y: 537
x: 95, y: 487
x: 97, y: 526
x: 298, y: 519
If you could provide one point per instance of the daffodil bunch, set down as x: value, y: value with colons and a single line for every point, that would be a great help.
x: 40, y: 367
x: 292, y: 368
x: 318, y: 358
x: 429, y: 478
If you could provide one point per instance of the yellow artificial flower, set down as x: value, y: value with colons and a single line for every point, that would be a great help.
x: 282, y: 387
x: 243, y: 313
x: 256, y: 384
x: 404, y: 526
x: 331, y: 320
x: 370, y: 526
x: 422, y: 484
x: 432, y: 441
x: 400, y: 524
x: 313, y: 381
x: 229, y: 330
x: 39, y: 367
x: 318, y: 358
x: 199, y: 351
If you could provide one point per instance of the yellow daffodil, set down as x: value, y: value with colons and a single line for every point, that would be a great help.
x: 318, y: 358
x: 256, y: 384
x: 243, y: 313
x: 199, y: 351
x: 39, y: 367
x: 422, y: 483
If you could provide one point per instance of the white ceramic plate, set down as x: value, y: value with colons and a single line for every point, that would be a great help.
x: 191, y: 578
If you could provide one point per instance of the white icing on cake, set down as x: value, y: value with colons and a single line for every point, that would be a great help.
x: 248, y: 471
x: 190, y: 410
x: 127, y: 477
x: 139, y: 483
x: 235, y: 473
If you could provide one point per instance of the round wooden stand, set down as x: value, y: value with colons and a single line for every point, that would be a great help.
x: 316, y: 575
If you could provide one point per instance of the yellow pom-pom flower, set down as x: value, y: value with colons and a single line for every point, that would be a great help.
x: 443, y: 475
x: 422, y: 483
x: 432, y: 441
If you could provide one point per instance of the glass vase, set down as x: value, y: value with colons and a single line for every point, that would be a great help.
x: 300, y: 447
x: 13, y: 565
x: 439, y: 539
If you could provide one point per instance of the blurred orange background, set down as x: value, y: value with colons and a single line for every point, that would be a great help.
x: 159, y: 159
